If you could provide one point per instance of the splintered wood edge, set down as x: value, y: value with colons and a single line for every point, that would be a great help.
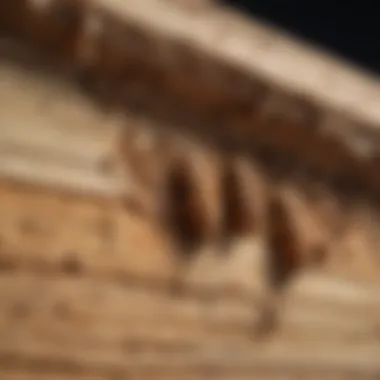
x: 262, y: 51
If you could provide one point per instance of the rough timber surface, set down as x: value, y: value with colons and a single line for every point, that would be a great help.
x: 86, y: 263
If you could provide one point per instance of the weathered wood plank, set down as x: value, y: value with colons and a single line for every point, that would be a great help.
x: 262, y: 51
x: 47, y: 230
x: 54, y: 137
x: 82, y: 286
x: 79, y: 315
x: 202, y: 375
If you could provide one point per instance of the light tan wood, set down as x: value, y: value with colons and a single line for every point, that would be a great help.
x: 260, y: 50
x: 204, y: 374
x: 89, y: 249
x: 103, y: 325
x: 31, y: 375
x: 33, y: 149
x: 67, y: 154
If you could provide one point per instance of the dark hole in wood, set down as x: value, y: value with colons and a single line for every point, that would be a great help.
x: 283, y: 259
x: 236, y: 218
x: 283, y: 252
x: 183, y: 208
x: 185, y: 218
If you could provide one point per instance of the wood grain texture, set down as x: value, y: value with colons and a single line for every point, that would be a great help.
x: 98, y: 325
x: 29, y: 375
x: 261, y: 50
x: 53, y: 136
x: 86, y: 256
x: 68, y: 300
x: 65, y: 149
